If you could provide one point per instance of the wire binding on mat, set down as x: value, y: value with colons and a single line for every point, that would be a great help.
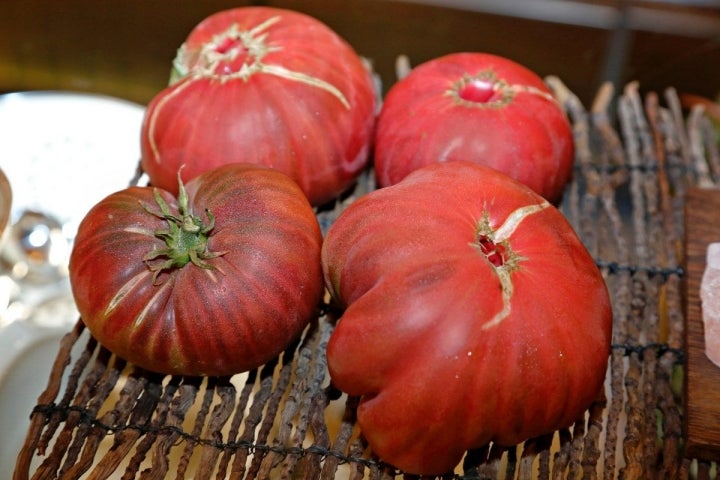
x: 615, y: 267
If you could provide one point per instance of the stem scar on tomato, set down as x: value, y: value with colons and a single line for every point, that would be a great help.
x: 238, y: 54
x: 486, y: 90
x: 186, y: 236
x: 494, y: 245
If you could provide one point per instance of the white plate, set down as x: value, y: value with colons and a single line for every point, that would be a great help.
x: 62, y: 153
x: 28, y: 355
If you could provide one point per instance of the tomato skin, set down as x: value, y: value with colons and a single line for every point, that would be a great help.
x: 417, y: 340
x: 254, y: 301
x: 424, y: 119
x: 210, y: 117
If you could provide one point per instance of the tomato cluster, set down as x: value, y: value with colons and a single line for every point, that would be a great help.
x: 470, y: 310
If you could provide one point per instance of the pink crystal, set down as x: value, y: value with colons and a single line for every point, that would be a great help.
x: 710, y: 300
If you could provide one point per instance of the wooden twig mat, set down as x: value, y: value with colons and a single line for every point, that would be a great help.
x: 636, y: 155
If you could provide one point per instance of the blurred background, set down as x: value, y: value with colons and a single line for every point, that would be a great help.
x: 124, y: 47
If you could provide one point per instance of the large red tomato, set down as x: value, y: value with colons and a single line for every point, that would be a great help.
x: 266, y: 86
x: 472, y: 314
x: 215, y: 282
x: 476, y: 107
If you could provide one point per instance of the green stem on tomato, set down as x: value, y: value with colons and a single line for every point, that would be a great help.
x: 186, y: 237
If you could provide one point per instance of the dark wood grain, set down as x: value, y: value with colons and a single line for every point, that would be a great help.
x: 702, y: 377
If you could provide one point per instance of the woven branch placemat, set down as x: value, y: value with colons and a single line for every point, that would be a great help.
x: 636, y: 156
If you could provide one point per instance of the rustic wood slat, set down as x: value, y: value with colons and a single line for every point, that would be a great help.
x: 702, y: 377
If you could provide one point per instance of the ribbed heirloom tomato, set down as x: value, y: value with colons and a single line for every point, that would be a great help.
x: 266, y: 86
x: 216, y: 281
x: 472, y: 314
x: 477, y: 107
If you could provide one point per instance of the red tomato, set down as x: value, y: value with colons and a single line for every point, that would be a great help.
x: 476, y: 107
x: 473, y: 314
x: 215, y: 282
x: 266, y: 86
